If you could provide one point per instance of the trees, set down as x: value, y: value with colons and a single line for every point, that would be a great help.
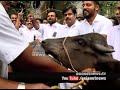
x: 16, y: 7
x: 107, y: 8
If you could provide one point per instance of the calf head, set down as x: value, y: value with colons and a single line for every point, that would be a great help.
x: 85, y: 51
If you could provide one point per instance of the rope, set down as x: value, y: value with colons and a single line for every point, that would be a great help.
x: 79, y: 83
x: 73, y: 86
x: 68, y: 55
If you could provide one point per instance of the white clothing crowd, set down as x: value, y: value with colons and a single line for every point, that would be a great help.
x: 28, y: 33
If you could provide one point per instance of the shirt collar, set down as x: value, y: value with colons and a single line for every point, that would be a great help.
x: 97, y: 18
x: 54, y: 25
x: 75, y: 24
x: 32, y: 29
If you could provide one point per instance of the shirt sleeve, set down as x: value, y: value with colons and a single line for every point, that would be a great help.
x: 11, y: 42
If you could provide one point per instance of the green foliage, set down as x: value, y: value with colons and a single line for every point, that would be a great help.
x: 107, y: 8
x: 17, y: 7
x: 59, y: 5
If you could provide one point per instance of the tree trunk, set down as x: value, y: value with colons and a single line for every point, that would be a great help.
x: 41, y: 11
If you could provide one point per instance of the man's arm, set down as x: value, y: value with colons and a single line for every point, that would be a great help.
x: 7, y: 84
x: 18, y: 22
x: 27, y: 62
x: 35, y: 24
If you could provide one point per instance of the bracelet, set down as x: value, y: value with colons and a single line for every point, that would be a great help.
x: 21, y: 86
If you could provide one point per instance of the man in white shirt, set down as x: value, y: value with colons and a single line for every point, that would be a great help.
x: 50, y: 29
x: 17, y: 20
x: 30, y: 34
x: 113, y: 38
x: 17, y: 53
x: 94, y: 22
x: 71, y: 28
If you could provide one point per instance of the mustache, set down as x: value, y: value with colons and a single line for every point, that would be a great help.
x: 85, y: 10
x: 50, y: 19
x: 29, y: 23
x: 67, y: 19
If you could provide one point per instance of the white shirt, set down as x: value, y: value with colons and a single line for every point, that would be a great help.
x: 113, y: 39
x: 70, y: 31
x: 65, y: 32
x: 48, y: 31
x: 11, y: 43
x: 30, y: 35
x: 100, y: 25
x: 23, y: 26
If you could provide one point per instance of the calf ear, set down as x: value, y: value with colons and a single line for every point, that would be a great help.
x: 82, y: 42
x: 102, y: 48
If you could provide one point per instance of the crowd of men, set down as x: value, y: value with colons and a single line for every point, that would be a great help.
x: 17, y: 34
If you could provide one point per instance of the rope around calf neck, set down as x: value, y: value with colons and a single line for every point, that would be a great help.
x: 68, y: 55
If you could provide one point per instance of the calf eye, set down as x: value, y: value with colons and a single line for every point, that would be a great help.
x: 82, y: 42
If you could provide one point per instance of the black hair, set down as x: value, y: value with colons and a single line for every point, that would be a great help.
x: 52, y: 10
x: 69, y: 7
x: 97, y: 2
x: 39, y: 20
x: 115, y: 22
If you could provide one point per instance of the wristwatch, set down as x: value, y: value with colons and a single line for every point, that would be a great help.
x: 21, y: 86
